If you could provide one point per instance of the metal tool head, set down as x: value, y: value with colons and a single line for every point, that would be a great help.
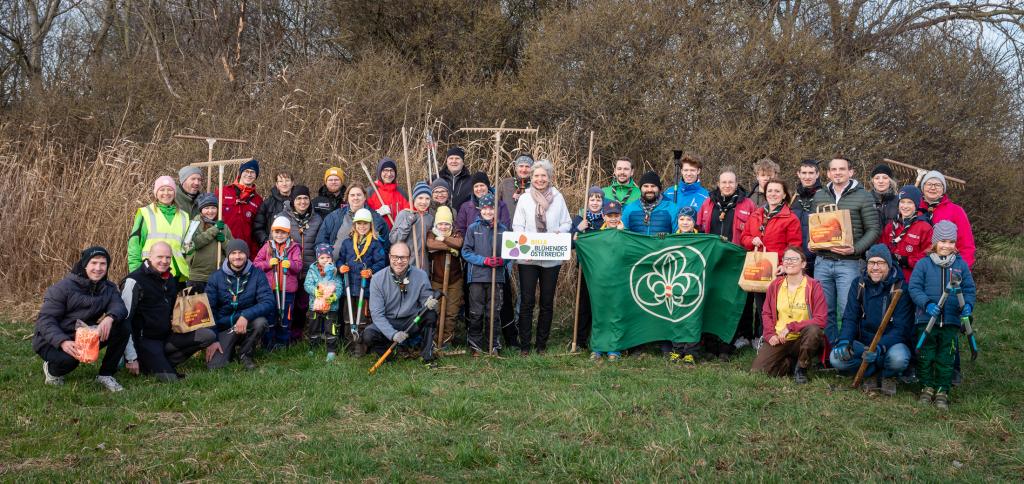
x: 677, y: 155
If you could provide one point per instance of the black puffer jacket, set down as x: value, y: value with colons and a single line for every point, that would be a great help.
x: 462, y: 186
x: 327, y: 202
x: 75, y: 298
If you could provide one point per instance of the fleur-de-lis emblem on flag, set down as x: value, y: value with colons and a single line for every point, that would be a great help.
x: 669, y: 283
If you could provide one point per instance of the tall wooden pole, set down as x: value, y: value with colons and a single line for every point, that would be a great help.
x: 579, y: 269
x: 494, y: 236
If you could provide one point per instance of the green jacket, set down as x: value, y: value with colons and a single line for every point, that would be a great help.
x: 863, y: 216
x: 201, y: 249
x: 622, y: 193
x: 185, y: 202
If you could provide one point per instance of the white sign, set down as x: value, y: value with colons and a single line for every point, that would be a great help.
x: 526, y: 245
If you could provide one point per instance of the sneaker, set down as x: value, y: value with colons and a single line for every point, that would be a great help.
x: 109, y: 383
x: 741, y: 342
x: 595, y: 356
x: 331, y: 356
x: 800, y: 375
x: 909, y: 377
x: 674, y: 357
x: 50, y: 379
x: 247, y: 362
x: 758, y: 341
x: 614, y: 356
x: 927, y: 395
x: 689, y: 360
x: 942, y: 401
x: 889, y: 387
x: 958, y: 378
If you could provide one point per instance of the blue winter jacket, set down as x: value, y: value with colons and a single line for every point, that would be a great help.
x: 864, y: 314
x: 663, y: 218
x: 254, y: 297
x: 342, y: 219
x: 374, y: 259
x: 476, y: 247
x: 313, y: 278
x: 690, y: 195
x: 929, y: 280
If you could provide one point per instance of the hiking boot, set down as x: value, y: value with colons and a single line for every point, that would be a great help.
x: 800, y: 375
x: 741, y: 342
x: 50, y: 379
x: 474, y: 353
x: 595, y: 356
x: 870, y: 385
x: 958, y: 378
x: 166, y: 377
x: 247, y: 362
x: 942, y: 401
x: 109, y: 383
x: 688, y: 360
x: 927, y: 395
x: 909, y: 377
x: 674, y: 357
x: 889, y: 387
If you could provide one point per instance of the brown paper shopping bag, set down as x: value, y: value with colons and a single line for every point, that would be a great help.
x: 829, y: 228
x: 759, y: 270
x: 191, y: 312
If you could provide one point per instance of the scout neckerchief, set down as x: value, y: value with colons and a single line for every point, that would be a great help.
x: 805, y: 195
x: 648, y: 208
x: 616, y: 187
x: 769, y: 214
x: 930, y: 212
x: 361, y: 251
x: 904, y: 226
x: 402, y: 281
x: 521, y: 184
x: 724, y: 206
x: 241, y: 280
x: 593, y: 219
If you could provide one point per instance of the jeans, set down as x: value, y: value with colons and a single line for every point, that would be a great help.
x: 836, y: 277
x: 530, y: 277
x: 892, y: 362
x: 230, y: 341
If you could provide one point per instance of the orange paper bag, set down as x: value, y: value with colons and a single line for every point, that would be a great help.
x: 829, y: 228
x: 759, y: 270
x: 191, y: 312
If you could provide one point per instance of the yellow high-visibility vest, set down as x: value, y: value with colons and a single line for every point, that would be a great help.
x: 158, y: 229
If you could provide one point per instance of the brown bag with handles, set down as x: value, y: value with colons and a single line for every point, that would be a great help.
x: 829, y: 227
x: 191, y: 312
x: 759, y: 270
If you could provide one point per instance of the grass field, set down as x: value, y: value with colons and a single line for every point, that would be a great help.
x: 513, y: 419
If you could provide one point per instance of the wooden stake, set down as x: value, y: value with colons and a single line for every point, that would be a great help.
x: 494, y: 237
x: 408, y: 184
x: 878, y: 336
x: 444, y: 298
x: 210, y: 141
x: 579, y: 269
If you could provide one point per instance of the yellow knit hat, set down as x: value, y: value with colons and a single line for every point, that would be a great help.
x: 443, y: 215
x: 335, y: 171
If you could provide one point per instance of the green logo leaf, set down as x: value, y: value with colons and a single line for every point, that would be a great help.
x: 510, y: 244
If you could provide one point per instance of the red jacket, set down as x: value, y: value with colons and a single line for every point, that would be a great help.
x: 239, y: 211
x: 947, y: 210
x: 293, y: 254
x: 782, y: 231
x: 816, y: 306
x: 392, y: 196
x: 912, y: 247
x: 740, y: 214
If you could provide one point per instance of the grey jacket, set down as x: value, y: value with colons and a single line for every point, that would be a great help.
x: 408, y: 226
x: 863, y: 217
x: 389, y: 304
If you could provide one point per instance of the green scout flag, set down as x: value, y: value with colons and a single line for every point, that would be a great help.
x: 645, y: 289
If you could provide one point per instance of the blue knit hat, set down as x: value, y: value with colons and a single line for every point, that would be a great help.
x: 880, y: 251
x: 523, y: 159
x: 421, y: 188
x: 944, y: 230
x: 252, y: 164
x: 205, y: 200
x: 911, y: 192
x: 486, y: 201
x: 595, y: 190
x: 688, y: 211
x: 322, y: 249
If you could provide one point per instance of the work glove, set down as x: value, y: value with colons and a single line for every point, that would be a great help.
x: 842, y: 351
x: 384, y: 211
x: 966, y: 313
x: 333, y: 297
x: 286, y: 264
x: 399, y: 337
x: 220, y: 237
x: 933, y: 309
x: 366, y: 273
x: 493, y: 262
x: 344, y: 269
x: 220, y: 225
x: 870, y: 356
x: 273, y: 261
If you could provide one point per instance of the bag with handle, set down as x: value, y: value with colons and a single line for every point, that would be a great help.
x: 759, y: 269
x: 191, y: 312
x: 829, y: 227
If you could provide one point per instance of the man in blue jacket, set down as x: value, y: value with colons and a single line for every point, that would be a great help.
x: 690, y: 192
x: 652, y: 213
x: 241, y: 300
x: 869, y: 298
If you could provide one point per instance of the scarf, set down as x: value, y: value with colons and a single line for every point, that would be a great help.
x: 805, y: 195
x: 769, y: 215
x: 724, y: 206
x: 361, y: 251
x: 594, y: 219
x: 648, y: 207
x: 401, y: 280
x: 543, y: 201
x: 244, y: 193
x: 521, y: 185
x: 899, y: 229
x: 944, y: 262
x: 302, y: 219
x: 930, y: 212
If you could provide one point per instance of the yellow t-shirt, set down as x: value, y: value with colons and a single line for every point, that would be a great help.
x: 791, y: 306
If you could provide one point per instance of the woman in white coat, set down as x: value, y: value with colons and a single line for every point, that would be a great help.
x: 541, y: 209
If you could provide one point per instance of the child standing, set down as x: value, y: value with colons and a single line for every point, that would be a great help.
x: 201, y: 242
x: 612, y: 221
x: 362, y: 254
x: 942, y: 271
x: 590, y: 219
x: 445, y: 244
x: 482, y: 261
x: 323, y: 284
x: 281, y: 260
x: 908, y: 236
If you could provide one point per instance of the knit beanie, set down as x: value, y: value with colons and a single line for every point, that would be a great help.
x: 299, y: 190
x: 480, y: 177
x: 237, y: 244
x: 457, y: 151
x: 322, y: 249
x: 523, y: 159
x: 486, y: 201
x: 86, y: 256
x: 334, y: 171
x: 934, y: 174
x: 612, y: 206
x: 163, y: 181
x: 187, y: 171
x: 595, y: 190
x: 911, y: 192
x: 205, y: 200
x: 252, y: 164
x: 880, y: 251
x: 421, y: 188
x: 443, y: 215
x: 944, y: 230
x: 689, y: 212
x: 440, y: 183
x: 652, y: 178
x: 882, y: 169
x: 281, y: 223
x: 386, y: 163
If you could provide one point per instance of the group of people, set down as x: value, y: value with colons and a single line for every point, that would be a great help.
x: 365, y: 262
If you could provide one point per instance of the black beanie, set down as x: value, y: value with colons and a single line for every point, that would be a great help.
x: 300, y: 190
x: 457, y: 151
x: 883, y: 169
x: 652, y: 178
x: 480, y: 177
x: 86, y: 256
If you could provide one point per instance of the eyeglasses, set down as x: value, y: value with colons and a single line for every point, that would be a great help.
x: 877, y: 263
x: 399, y: 258
x: 933, y: 185
x: 790, y: 260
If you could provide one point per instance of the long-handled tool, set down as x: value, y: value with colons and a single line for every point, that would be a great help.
x: 579, y: 269
x: 352, y: 326
x: 965, y: 321
x: 896, y: 294
x: 444, y: 298
x: 931, y: 321
x: 359, y: 304
x: 220, y: 188
x: 210, y: 141
x: 429, y: 304
x: 391, y: 217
